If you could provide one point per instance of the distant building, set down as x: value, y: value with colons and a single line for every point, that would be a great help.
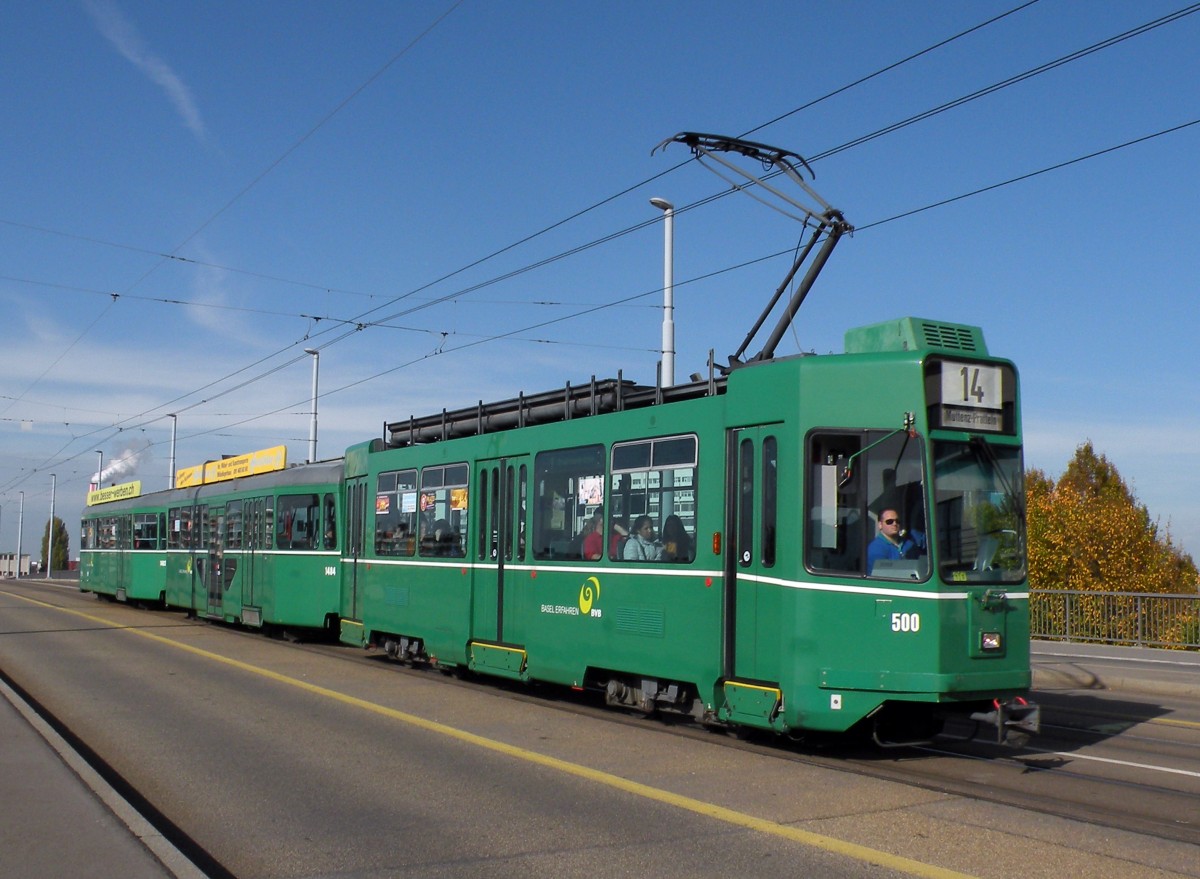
x: 8, y: 565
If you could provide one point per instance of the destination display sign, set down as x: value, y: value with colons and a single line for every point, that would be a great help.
x: 114, y: 493
x: 262, y: 461
x: 970, y: 396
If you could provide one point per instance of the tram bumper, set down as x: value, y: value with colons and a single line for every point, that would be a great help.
x: 1010, y: 722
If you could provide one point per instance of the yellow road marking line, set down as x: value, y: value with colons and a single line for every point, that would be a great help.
x: 699, y: 807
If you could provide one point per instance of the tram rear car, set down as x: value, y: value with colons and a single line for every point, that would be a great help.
x: 260, y: 550
x: 122, y: 554
x: 770, y: 609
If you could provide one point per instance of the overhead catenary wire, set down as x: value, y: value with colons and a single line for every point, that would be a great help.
x: 526, y: 239
x: 443, y: 350
x: 382, y: 321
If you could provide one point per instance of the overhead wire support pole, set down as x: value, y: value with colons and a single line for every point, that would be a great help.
x: 312, y: 432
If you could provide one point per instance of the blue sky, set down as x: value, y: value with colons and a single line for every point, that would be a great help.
x: 195, y: 193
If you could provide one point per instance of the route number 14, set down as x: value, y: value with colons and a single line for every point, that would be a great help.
x: 973, y: 385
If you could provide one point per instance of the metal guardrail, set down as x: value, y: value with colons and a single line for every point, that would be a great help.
x: 1126, y: 618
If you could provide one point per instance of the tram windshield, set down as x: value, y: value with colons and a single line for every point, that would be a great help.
x: 867, y: 505
x: 979, y: 514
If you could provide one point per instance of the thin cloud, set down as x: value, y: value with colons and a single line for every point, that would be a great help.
x: 119, y: 31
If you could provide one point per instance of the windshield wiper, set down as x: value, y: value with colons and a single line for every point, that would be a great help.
x: 987, y: 455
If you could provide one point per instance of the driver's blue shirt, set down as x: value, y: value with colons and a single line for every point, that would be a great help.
x: 910, y: 546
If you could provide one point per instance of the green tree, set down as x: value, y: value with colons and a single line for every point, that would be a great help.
x: 59, y: 561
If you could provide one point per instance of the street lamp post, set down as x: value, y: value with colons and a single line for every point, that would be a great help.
x: 312, y: 430
x: 20, y: 525
x: 50, y: 529
x: 668, y: 322
x: 171, y: 475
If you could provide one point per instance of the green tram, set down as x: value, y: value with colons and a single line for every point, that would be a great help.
x: 122, y: 553
x: 260, y: 550
x: 811, y: 543
x: 707, y: 548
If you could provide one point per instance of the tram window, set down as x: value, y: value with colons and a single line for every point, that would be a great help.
x: 770, y: 499
x: 396, y: 513
x: 145, y: 531
x: 330, y: 522
x: 745, y: 514
x: 979, y: 512
x: 184, y: 527
x: 298, y: 519
x: 522, y: 506
x: 121, y: 528
x: 509, y: 488
x: 202, y: 527
x: 854, y: 478
x: 175, y: 529
x: 656, y: 478
x: 357, y: 511
x: 87, y: 534
x: 443, y: 508
x: 233, y: 525
x: 106, y: 533
x: 268, y: 523
x: 488, y: 528
x: 568, y: 490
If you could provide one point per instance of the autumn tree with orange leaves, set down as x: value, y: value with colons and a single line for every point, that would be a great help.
x: 1088, y: 532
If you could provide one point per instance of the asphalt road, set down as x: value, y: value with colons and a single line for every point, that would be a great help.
x: 281, y: 762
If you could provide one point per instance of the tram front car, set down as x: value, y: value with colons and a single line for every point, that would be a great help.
x: 917, y: 532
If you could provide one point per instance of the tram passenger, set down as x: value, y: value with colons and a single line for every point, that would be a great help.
x: 677, y: 545
x: 620, y: 534
x: 330, y: 523
x: 641, y: 545
x: 593, y: 536
x: 430, y: 531
x: 893, y: 542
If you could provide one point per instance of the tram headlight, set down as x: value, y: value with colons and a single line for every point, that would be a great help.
x: 990, y: 641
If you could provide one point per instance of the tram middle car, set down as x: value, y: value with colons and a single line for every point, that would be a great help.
x: 815, y: 543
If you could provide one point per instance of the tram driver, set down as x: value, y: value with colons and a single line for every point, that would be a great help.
x: 893, y: 542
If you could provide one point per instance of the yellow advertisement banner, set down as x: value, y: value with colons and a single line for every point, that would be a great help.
x: 114, y: 493
x: 262, y: 461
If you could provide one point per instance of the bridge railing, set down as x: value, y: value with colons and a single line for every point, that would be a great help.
x: 1128, y: 618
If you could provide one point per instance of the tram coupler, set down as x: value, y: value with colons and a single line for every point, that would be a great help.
x: 1016, y: 719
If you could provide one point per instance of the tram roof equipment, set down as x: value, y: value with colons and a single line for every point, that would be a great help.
x: 828, y: 223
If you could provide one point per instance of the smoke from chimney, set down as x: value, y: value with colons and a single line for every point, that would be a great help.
x: 125, y: 465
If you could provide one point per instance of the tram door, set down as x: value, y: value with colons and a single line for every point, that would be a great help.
x: 252, y: 561
x: 502, y: 489
x: 752, y: 468
x: 355, y: 523
x: 213, y: 531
